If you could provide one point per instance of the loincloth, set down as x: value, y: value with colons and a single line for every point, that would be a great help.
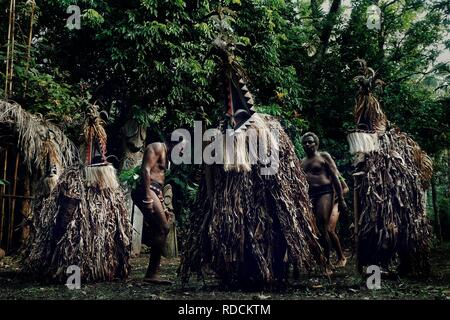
x: 139, y: 194
x: 157, y: 188
x: 315, y: 192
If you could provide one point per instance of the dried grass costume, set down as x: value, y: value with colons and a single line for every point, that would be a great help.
x: 248, y: 227
x: 83, y: 221
x: 391, y: 175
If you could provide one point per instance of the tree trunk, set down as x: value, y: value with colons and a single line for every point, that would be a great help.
x: 324, y: 28
x: 133, y: 143
x: 437, y: 219
x: 327, y: 27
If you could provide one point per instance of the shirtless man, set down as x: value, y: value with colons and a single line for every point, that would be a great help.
x: 148, y: 197
x: 323, y: 179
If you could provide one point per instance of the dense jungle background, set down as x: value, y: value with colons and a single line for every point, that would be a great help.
x: 151, y: 60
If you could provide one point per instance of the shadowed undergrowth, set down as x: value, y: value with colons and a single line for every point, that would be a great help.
x: 344, y: 284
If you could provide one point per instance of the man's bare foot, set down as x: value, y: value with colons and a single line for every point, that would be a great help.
x: 341, y: 262
x: 156, y: 280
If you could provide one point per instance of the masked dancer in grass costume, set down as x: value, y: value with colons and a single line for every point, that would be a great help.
x: 83, y: 221
x: 390, y: 178
x: 253, y: 217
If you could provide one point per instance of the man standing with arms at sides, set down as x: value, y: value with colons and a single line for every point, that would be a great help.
x: 324, y: 185
x: 148, y: 197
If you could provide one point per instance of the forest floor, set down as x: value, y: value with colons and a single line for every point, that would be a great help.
x: 345, y: 283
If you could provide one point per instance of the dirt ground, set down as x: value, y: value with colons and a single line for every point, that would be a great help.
x: 344, y: 284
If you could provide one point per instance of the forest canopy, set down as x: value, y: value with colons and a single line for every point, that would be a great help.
x: 151, y: 60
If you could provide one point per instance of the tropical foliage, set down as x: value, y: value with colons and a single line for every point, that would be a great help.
x: 152, y: 60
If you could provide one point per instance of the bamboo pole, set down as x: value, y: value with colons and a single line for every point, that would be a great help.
x: 16, y: 196
x: 30, y: 37
x: 13, y: 204
x: 11, y: 65
x: 447, y: 154
x: 8, y: 50
x: 26, y: 208
x: 356, y: 209
x: 13, y: 25
x: 3, y: 192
